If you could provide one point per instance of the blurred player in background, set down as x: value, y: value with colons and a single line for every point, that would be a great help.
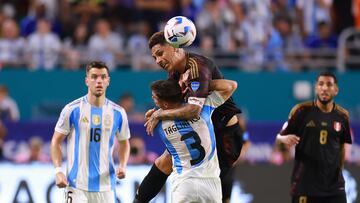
x: 194, y: 74
x: 191, y: 143
x: 91, y: 125
x: 319, y: 129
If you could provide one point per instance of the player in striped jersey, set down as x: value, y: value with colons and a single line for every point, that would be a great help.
x: 91, y: 125
x: 192, y: 143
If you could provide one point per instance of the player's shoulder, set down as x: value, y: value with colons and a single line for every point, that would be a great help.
x: 75, y: 103
x: 342, y: 111
x: 198, y: 64
x: 301, y: 107
x: 115, y: 106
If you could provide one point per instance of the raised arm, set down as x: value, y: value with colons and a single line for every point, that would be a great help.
x: 225, y: 87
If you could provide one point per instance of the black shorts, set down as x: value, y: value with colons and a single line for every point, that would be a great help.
x: 327, y: 199
x: 229, y: 142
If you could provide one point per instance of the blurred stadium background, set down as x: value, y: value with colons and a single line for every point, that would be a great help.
x: 272, y: 48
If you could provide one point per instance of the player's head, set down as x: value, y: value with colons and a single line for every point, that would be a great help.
x: 165, y: 55
x: 97, y: 78
x: 326, y: 87
x: 166, y: 93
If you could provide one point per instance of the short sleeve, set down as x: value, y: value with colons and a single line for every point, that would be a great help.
x: 63, y: 123
x: 214, y: 99
x: 123, y: 133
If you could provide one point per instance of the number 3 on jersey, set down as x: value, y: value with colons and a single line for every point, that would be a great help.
x: 195, y: 145
x: 95, y: 134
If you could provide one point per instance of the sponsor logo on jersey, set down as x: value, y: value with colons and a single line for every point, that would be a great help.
x: 195, y: 85
x: 95, y: 119
x: 310, y: 124
x: 337, y: 126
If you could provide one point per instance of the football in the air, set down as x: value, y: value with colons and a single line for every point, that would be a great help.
x: 180, y: 31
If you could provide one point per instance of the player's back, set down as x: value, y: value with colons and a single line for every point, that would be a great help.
x: 91, y: 133
x: 192, y: 143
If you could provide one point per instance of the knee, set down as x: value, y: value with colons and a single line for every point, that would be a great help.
x: 164, y: 163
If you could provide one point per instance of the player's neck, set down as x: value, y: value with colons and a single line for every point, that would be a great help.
x: 182, y: 60
x: 96, y: 101
x: 325, y: 107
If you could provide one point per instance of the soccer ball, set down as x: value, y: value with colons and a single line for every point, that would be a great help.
x: 180, y: 31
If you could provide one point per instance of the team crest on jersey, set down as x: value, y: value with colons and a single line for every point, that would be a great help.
x: 95, y: 119
x: 107, y: 120
x: 337, y: 126
x: 195, y: 85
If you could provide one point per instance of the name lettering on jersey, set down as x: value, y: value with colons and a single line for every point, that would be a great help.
x: 95, y: 119
x: 107, y: 120
x: 324, y: 124
x: 310, y: 124
x: 337, y: 126
x: 184, y: 124
x: 84, y: 120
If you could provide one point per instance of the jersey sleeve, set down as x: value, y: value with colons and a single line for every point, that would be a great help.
x: 63, y: 125
x: 214, y: 99
x: 347, y: 138
x: 291, y: 126
x: 199, y: 78
x: 123, y: 132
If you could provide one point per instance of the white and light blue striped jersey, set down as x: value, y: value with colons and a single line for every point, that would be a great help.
x: 192, y: 143
x: 90, y: 134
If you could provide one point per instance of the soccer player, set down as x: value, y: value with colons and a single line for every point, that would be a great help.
x: 319, y: 130
x: 194, y: 73
x: 91, y: 125
x: 191, y: 143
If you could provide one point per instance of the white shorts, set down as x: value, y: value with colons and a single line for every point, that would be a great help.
x: 73, y: 195
x: 206, y: 190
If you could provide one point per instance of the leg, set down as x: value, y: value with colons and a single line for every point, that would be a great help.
x: 155, y: 179
x: 228, y: 144
x: 226, y: 185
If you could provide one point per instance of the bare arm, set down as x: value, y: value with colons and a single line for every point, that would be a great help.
x: 289, y: 140
x: 189, y: 111
x: 56, y: 156
x: 124, y: 152
x: 225, y: 87
x: 185, y: 112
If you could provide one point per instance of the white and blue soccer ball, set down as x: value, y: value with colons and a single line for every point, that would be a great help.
x: 180, y: 31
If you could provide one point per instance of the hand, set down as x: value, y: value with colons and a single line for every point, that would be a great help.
x: 152, y: 122
x: 289, y: 140
x: 149, y: 113
x: 61, y: 180
x: 120, y: 172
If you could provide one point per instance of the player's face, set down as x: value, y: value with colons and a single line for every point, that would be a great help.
x: 158, y: 102
x: 326, y: 89
x: 97, y: 81
x: 164, y: 56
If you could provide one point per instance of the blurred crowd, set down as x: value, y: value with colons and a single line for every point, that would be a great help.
x: 251, y: 35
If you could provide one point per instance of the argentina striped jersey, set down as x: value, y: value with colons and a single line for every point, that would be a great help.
x: 192, y: 143
x: 91, y: 132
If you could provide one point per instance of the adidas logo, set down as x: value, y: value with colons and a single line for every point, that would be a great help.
x: 84, y: 120
x: 310, y: 124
